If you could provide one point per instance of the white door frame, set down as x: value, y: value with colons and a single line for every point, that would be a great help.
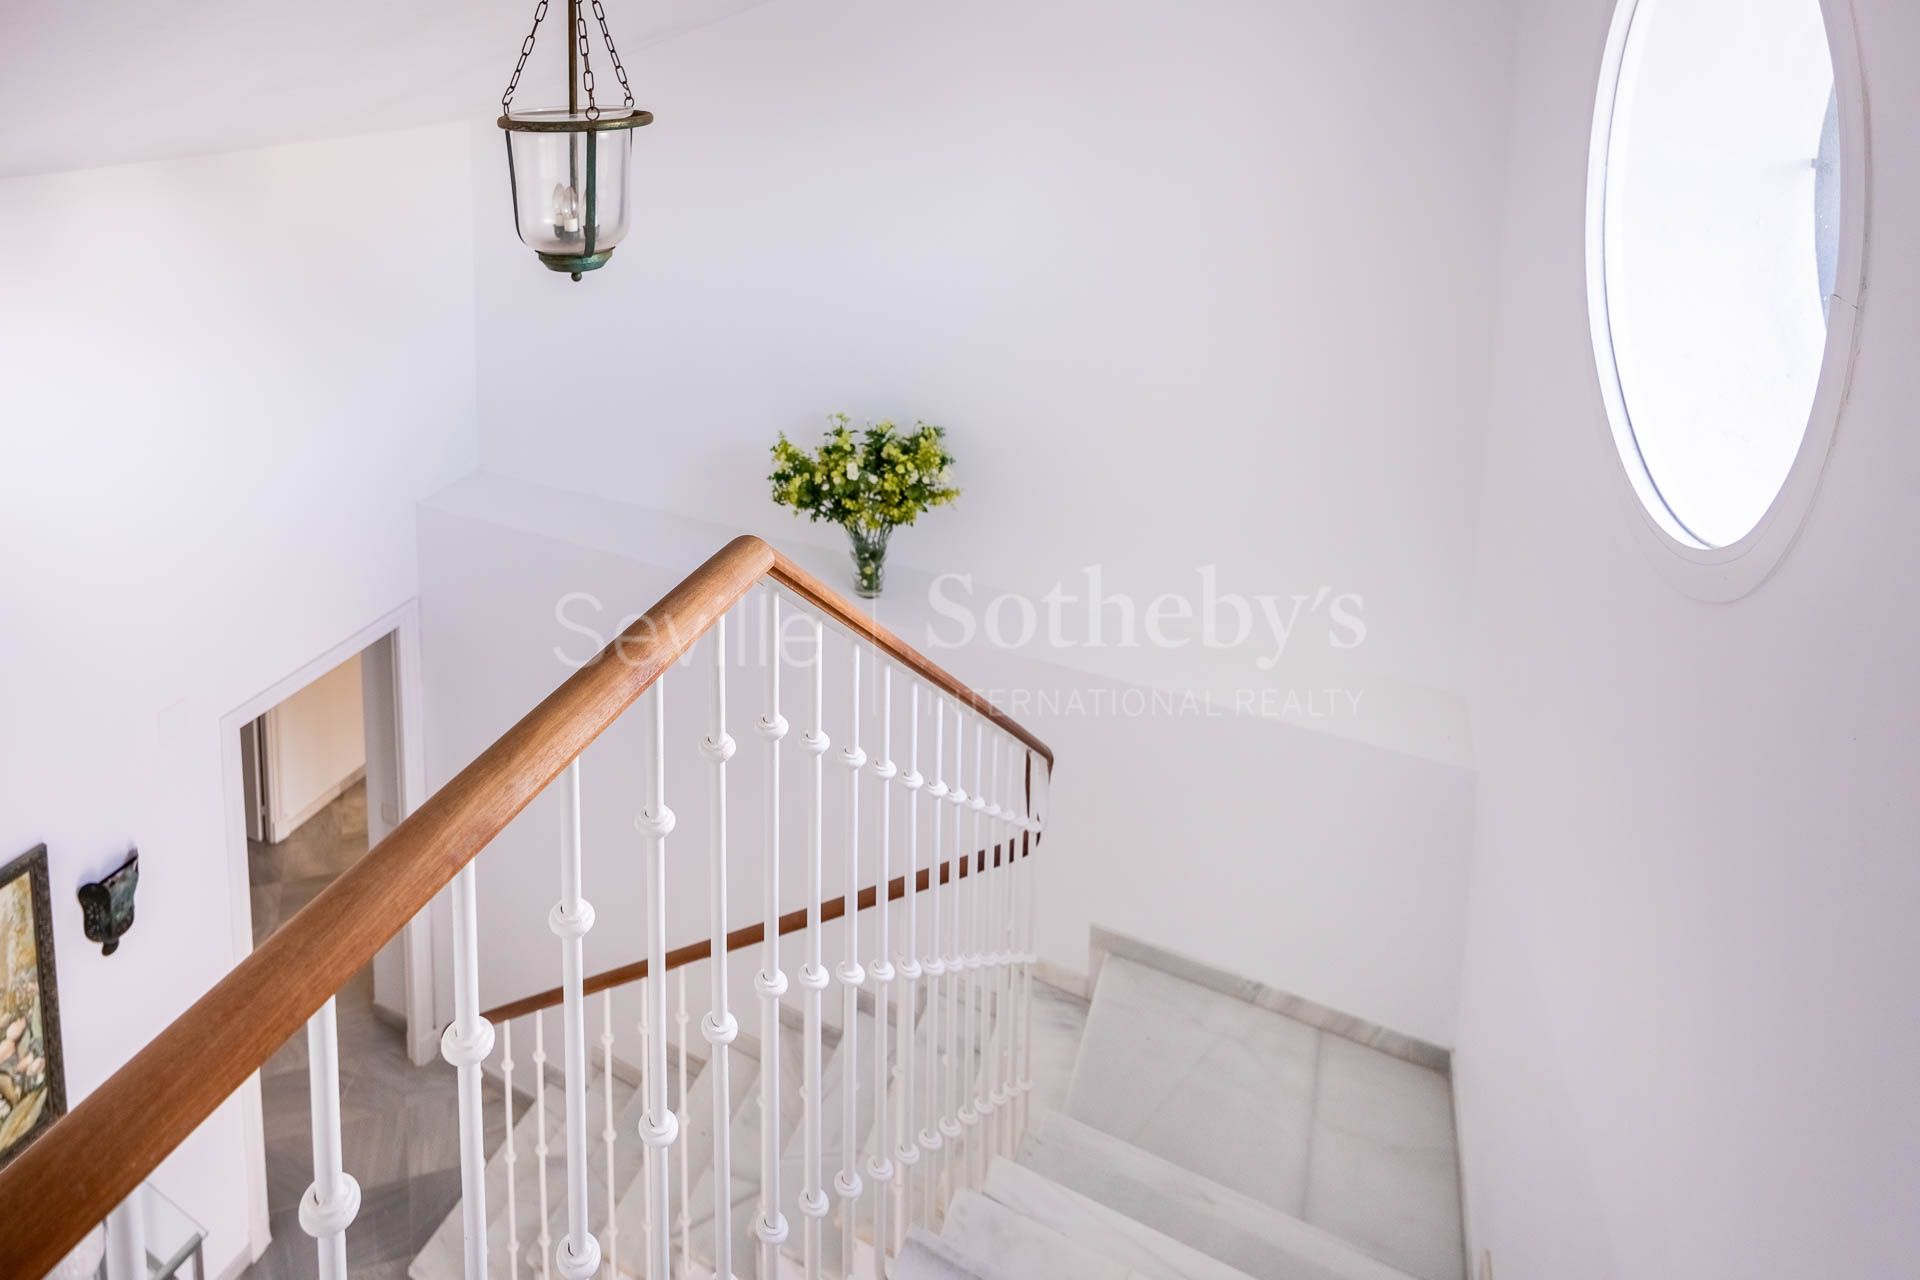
x: 404, y: 625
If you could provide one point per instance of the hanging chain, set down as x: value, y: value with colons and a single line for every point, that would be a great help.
x: 600, y: 12
x: 586, y: 65
x: 526, y: 48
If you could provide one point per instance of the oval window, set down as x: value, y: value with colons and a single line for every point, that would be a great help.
x: 1715, y: 230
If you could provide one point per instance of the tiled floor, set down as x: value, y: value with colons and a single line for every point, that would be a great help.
x: 397, y: 1120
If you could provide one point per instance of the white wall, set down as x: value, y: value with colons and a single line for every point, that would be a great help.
x: 1688, y: 1026
x: 223, y: 383
x: 1192, y: 284
x: 316, y: 747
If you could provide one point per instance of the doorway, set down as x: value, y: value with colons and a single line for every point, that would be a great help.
x: 319, y: 769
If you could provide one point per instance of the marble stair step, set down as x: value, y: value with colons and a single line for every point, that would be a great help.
x: 1253, y: 1238
x: 1337, y: 1134
x: 1119, y: 1237
x: 928, y: 1257
x: 1018, y: 1248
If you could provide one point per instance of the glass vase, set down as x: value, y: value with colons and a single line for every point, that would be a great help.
x: 869, y: 559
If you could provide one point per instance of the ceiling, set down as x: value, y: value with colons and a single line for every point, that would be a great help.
x: 95, y: 82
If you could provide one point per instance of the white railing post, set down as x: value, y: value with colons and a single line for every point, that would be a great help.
x: 1029, y: 885
x: 465, y: 1044
x: 334, y: 1197
x: 994, y: 1011
x: 684, y: 1219
x: 544, y: 1236
x: 770, y: 982
x: 935, y: 967
x: 813, y: 977
x: 907, y: 1153
x: 719, y: 1027
x: 510, y: 1157
x: 880, y: 1163
x: 127, y: 1238
x: 971, y: 1113
x: 608, y: 1134
x: 950, y: 1116
x: 578, y: 1257
x: 1004, y: 954
x: 846, y: 1183
x: 659, y: 1126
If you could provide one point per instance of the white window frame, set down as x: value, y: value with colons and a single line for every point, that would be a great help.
x: 1730, y: 572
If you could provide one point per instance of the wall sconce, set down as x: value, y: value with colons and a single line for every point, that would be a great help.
x: 106, y: 908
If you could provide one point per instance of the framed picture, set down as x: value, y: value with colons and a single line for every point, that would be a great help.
x: 33, y: 1091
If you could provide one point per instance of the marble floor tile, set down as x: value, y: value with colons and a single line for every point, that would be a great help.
x: 1170, y: 1067
x: 1383, y: 1170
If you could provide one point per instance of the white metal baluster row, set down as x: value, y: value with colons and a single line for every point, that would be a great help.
x: 945, y: 1100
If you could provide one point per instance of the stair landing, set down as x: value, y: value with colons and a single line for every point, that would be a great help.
x: 1352, y: 1140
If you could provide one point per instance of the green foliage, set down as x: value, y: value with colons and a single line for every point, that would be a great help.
x: 870, y: 480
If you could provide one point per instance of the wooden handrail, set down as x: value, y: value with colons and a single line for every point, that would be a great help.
x: 95, y: 1156
x: 752, y: 935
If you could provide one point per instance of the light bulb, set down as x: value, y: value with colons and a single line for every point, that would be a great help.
x: 566, y: 209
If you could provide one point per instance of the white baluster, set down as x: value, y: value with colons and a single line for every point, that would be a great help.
x: 847, y: 1182
x: 127, y: 1238
x: 334, y: 1197
x: 719, y: 1026
x: 646, y: 1101
x: 880, y: 1163
x: 465, y: 1044
x: 684, y: 1219
x: 1029, y: 888
x: 993, y: 1009
x: 907, y: 1153
x: 950, y: 1119
x: 1003, y: 947
x: 608, y: 1134
x: 579, y: 1254
x: 935, y: 967
x: 770, y: 982
x: 813, y: 978
x: 659, y: 1126
x: 971, y: 1111
x: 510, y: 1157
x: 540, y: 1149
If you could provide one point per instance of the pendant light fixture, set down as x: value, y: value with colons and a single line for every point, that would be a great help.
x: 568, y: 166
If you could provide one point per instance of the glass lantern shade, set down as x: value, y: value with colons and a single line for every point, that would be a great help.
x: 569, y: 173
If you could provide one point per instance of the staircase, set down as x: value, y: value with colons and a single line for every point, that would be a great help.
x: 936, y: 1111
x: 1178, y: 1132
